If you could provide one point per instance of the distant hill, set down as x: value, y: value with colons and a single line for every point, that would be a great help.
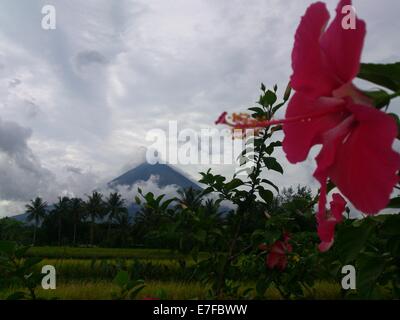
x: 20, y: 217
x: 166, y: 176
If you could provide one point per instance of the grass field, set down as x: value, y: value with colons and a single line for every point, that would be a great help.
x: 103, y: 290
x: 88, y: 273
x: 101, y: 253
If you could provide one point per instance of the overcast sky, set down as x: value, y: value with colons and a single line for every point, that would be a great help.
x: 76, y: 102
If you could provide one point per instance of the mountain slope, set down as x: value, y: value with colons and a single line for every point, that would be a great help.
x: 167, y: 176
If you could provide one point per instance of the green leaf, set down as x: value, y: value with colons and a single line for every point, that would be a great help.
x: 137, y: 200
x: 391, y: 226
x: 201, y: 235
x: 370, y: 267
x: 394, y: 203
x: 270, y: 97
x: 267, y: 195
x: 7, y: 247
x: 233, y: 184
x: 262, y: 286
x: 30, y: 262
x: 21, y: 251
x: 272, y: 146
x: 271, y: 184
x: 287, y: 93
x: 272, y: 164
x: 149, y: 197
x: 122, y: 278
x: 277, y: 107
x: 136, y: 291
x: 385, y: 75
x: 257, y: 110
x: 166, y: 204
x: 380, y: 98
x: 351, y: 239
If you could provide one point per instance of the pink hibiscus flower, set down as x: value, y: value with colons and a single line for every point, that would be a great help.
x: 328, y: 221
x: 277, y: 256
x: 327, y: 109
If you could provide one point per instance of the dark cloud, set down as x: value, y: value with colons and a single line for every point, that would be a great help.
x: 13, y: 139
x: 22, y: 175
x: 85, y: 58
x: 74, y: 170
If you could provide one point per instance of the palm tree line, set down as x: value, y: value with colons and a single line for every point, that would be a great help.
x: 76, y: 211
x: 97, y: 213
x: 178, y: 223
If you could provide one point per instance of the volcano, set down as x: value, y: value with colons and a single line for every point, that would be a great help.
x: 166, y: 174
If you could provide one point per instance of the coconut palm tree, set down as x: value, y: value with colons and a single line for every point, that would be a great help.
x: 115, y: 207
x: 95, y: 208
x: 190, y: 198
x: 123, y: 221
x: 61, y: 209
x: 77, y: 211
x: 36, y: 210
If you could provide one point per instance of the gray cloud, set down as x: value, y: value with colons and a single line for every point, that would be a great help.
x: 89, y: 57
x: 22, y: 175
x: 74, y: 170
x: 13, y: 83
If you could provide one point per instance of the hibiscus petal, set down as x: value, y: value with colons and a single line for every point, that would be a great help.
x: 279, y: 248
x: 326, y: 228
x: 366, y: 164
x: 309, y: 73
x: 282, y: 263
x: 327, y: 223
x: 338, y: 205
x: 272, y: 260
x: 325, y: 245
x: 300, y: 136
x: 326, y: 158
x: 342, y: 47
